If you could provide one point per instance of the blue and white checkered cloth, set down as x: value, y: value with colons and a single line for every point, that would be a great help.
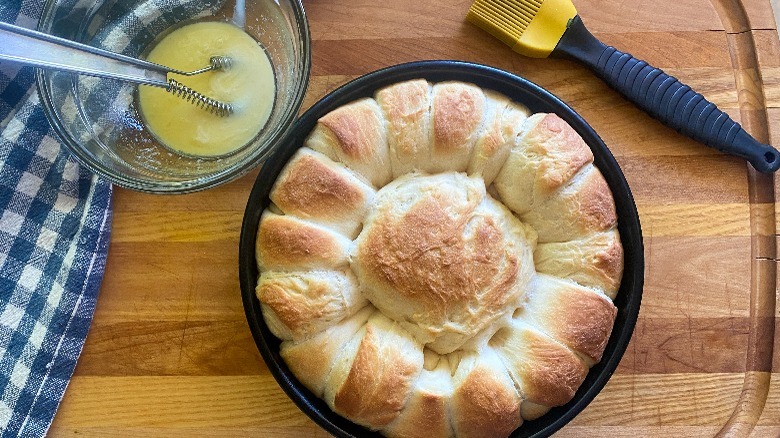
x: 55, y: 221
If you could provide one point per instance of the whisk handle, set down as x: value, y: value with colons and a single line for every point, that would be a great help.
x: 30, y: 47
x: 665, y: 98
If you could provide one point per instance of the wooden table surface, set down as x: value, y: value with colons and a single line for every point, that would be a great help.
x: 170, y: 352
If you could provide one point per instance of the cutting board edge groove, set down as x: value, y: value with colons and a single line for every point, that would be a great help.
x: 758, y: 361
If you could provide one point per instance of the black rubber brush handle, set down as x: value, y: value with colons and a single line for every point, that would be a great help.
x: 665, y: 98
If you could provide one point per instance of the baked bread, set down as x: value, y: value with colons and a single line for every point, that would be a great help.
x: 438, y: 262
x: 442, y: 258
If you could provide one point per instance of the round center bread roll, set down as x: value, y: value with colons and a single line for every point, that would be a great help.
x: 441, y: 257
x: 439, y: 262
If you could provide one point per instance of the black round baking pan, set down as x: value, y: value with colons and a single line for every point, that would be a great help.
x: 537, y: 100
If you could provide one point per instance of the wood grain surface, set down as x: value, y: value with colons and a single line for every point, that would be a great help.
x: 170, y: 353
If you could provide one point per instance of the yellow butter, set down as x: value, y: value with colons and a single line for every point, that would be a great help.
x: 248, y: 85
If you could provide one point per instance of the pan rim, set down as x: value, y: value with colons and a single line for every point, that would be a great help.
x: 537, y: 99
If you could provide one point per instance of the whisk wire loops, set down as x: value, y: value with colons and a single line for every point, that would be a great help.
x: 211, y: 105
x: 220, y: 62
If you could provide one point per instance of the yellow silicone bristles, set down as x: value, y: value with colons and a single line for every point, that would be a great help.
x: 531, y: 27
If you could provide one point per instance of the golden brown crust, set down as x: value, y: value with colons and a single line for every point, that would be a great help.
x: 597, y: 207
x: 458, y: 110
x: 485, y: 402
x: 287, y: 243
x: 313, y: 187
x: 547, y: 155
x: 428, y: 420
x: 424, y: 256
x: 380, y: 378
x: 355, y: 126
x: 426, y: 415
x: 577, y: 317
x: 445, y: 260
x: 299, y: 304
x: 503, y: 120
x: 546, y: 372
x: 555, y: 375
x: 354, y: 134
x: 311, y: 360
x: 554, y: 138
x: 595, y: 260
x: 406, y: 107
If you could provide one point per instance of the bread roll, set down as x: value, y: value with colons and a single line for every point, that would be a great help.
x: 442, y: 258
x: 311, y: 360
x: 354, y: 134
x: 546, y: 156
x: 503, y: 122
x: 427, y: 414
x: 595, y: 260
x: 372, y: 379
x: 315, y: 188
x: 407, y: 109
x: 296, y: 305
x: 583, y: 207
x: 531, y: 411
x: 485, y: 402
x: 575, y: 316
x: 416, y: 310
x: 458, y: 113
x: 547, y: 373
x: 286, y: 243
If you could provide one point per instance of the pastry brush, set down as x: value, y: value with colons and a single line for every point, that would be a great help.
x: 542, y: 28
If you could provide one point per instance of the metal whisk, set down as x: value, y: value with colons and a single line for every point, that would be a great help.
x: 214, y: 106
x: 39, y: 49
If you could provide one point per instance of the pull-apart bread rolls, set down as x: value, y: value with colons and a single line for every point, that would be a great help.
x: 547, y: 372
x: 485, y: 402
x: 410, y: 299
x: 583, y: 207
x: 580, y: 318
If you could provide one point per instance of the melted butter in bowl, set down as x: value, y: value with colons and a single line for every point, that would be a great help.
x: 248, y: 85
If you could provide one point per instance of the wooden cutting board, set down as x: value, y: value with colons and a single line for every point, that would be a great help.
x: 170, y: 352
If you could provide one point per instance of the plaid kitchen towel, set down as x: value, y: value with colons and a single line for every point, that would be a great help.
x: 55, y: 221
x: 55, y: 217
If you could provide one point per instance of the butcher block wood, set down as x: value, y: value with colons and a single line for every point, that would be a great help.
x: 170, y: 353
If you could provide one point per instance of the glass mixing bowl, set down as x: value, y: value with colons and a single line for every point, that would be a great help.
x: 98, y: 119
